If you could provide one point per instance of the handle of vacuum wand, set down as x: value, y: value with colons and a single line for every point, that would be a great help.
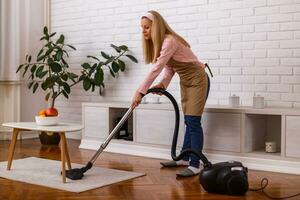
x: 111, y: 135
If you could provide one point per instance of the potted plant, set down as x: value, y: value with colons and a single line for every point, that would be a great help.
x: 51, y: 72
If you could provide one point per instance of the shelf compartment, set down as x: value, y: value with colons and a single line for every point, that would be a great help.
x: 260, y: 129
x: 126, y: 131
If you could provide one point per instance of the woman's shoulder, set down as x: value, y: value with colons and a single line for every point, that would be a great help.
x: 170, y: 38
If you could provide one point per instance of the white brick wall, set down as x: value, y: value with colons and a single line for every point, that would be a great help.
x: 253, y: 46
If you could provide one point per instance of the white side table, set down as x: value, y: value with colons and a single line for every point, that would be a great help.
x: 61, y: 128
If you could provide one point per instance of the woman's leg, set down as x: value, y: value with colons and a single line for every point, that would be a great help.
x: 186, y: 140
x: 196, y: 137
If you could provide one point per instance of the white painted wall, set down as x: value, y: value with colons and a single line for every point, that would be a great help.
x: 253, y: 46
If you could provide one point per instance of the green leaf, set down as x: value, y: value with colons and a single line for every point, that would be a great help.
x: 35, y: 87
x: 72, y: 47
x: 93, y: 57
x: 124, y: 47
x: 112, y: 73
x: 64, y: 77
x: 116, y: 48
x: 50, y: 61
x: 30, y: 84
x: 40, y: 58
x: 86, y: 65
x: 52, y: 34
x: 67, y: 87
x: 65, y: 94
x: 39, y: 71
x: 121, y: 65
x: 20, y: 67
x: 45, y: 30
x: 86, y: 84
x: 58, y: 55
x: 33, y: 68
x: 99, y: 76
x: 132, y: 58
x: 25, y: 70
x: 66, y: 53
x: 47, y: 96
x: 105, y: 55
x: 100, y: 64
x: 65, y: 63
x: 44, y: 85
x: 42, y: 38
x: 29, y: 59
x: 72, y: 75
x: 40, y: 52
x: 61, y: 39
x: 49, y: 51
x: 55, y: 67
x: 43, y: 74
x: 115, y: 66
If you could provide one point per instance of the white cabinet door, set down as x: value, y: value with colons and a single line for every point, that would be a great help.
x: 157, y: 127
x: 95, y: 121
x: 293, y: 136
x: 222, y: 131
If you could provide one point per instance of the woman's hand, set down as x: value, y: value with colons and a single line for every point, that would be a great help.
x: 160, y: 86
x: 136, y: 100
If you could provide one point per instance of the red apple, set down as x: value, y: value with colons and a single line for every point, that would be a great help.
x: 51, y: 112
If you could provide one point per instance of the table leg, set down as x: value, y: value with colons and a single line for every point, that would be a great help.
x: 62, y: 150
x: 66, y: 151
x: 12, y: 147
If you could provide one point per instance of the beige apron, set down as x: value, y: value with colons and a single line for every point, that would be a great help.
x: 193, y: 86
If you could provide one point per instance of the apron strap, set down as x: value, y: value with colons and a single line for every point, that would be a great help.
x: 206, y: 65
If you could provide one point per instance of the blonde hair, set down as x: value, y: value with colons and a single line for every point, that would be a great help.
x: 159, y: 29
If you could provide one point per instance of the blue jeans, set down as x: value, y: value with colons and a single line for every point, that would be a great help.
x: 193, y: 138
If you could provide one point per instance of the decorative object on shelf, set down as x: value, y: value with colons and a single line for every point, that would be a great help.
x: 153, y: 100
x: 271, y: 147
x: 53, y: 74
x: 234, y: 101
x: 123, y: 132
x: 258, y: 102
x: 144, y: 101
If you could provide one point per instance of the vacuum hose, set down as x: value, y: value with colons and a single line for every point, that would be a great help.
x: 176, y: 130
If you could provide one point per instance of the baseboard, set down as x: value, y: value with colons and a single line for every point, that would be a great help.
x: 254, y: 163
x: 27, y: 135
x: 5, y: 135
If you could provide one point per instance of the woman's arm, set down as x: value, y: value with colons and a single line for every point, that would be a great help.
x: 168, y: 74
x: 168, y: 48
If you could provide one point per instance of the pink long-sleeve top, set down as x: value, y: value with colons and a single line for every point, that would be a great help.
x: 171, y: 48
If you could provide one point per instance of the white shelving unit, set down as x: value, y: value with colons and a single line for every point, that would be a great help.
x: 229, y: 133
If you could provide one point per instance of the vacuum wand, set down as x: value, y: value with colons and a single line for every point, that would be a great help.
x: 111, y: 135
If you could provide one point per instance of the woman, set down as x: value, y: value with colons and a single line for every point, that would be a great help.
x: 169, y: 51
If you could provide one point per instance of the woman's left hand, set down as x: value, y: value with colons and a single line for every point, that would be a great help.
x: 160, y: 86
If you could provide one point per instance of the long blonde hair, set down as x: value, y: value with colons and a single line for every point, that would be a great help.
x: 159, y: 29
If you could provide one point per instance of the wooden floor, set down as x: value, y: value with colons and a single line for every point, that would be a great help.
x: 157, y: 184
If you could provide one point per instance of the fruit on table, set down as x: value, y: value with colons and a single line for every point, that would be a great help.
x: 42, y: 113
x: 49, y: 112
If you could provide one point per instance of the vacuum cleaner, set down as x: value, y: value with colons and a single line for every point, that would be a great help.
x: 223, y: 178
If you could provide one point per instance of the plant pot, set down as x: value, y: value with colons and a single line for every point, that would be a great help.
x: 49, y: 138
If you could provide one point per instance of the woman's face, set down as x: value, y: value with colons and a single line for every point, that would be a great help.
x: 146, y: 27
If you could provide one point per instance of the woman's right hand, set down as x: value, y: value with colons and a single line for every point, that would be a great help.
x: 136, y: 100
x: 160, y: 86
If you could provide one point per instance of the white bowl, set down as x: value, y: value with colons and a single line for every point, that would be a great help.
x: 46, y: 121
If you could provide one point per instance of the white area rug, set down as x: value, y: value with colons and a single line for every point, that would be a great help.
x: 47, y: 173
